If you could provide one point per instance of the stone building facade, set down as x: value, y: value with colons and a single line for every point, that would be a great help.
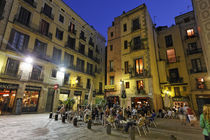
x: 66, y: 51
x: 136, y: 70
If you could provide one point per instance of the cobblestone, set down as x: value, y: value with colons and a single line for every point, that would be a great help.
x: 40, y: 127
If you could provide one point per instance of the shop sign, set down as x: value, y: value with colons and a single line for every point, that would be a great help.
x: 8, y: 86
x: 109, y: 87
x: 33, y: 88
x: 56, y: 86
x: 180, y: 99
x: 77, y: 93
x: 63, y: 91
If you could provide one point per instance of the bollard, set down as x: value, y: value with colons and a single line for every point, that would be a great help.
x: 89, y: 124
x: 75, y: 121
x: 108, y: 129
x: 56, y: 116
x: 51, y: 114
x: 132, y: 133
x: 66, y: 115
x: 63, y: 118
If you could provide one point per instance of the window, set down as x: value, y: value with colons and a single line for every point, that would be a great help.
x: 12, y: 67
x: 68, y: 60
x: 56, y: 55
x: 111, y: 80
x: 126, y: 67
x: 44, y: 27
x: 174, y: 74
x: 192, y: 46
x: 184, y: 88
x: 112, y: 34
x: 186, y: 19
x: 54, y: 73
x: 47, y: 10
x: 111, y: 47
x: 80, y: 65
x: 139, y: 66
x: 18, y: 41
x: 40, y: 49
x: 171, y: 55
x: 91, y: 42
x: 124, y: 27
x: 2, y: 5
x: 135, y: 24
x: 81, y: 48
x: 24, y: 16
x: 127, y: 85
x: 125, y: 44
x: 190, y: 32
x: 79, y: 80
x: 100, y: 87
x: 196, y: 65
x: 61, y: 18
x: 36, y: 72
x: 89, y: 68
x: 66, y: 79
x: 59, y: 34
x: 90, y: 53
x: 177, y: 91
x: 72, y: 28
x: 140, y: 85
x: 96, y: 69
x: 71, y: 42
x: 200, y: 83
x: 169, y: 41
x: 111, y: 62
x: 88, y: 84
x: 82, y: 35
x: 137, y: 43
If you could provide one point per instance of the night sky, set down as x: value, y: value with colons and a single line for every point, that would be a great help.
x: 100, y: 13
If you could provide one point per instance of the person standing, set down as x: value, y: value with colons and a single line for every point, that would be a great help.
x: 205, y: 121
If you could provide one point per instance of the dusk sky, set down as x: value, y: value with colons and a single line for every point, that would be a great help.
x: 100, y: 13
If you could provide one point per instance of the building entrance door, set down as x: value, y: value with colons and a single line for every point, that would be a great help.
x: 50, y: 98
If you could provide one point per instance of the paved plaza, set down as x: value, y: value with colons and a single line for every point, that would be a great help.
x: 40, y: 127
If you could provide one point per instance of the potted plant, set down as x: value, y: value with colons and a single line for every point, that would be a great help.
x: 69, y: 103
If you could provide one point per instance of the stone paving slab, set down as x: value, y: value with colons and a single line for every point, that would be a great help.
x: 40, y: 127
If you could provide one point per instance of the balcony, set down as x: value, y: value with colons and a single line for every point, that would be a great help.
x: 70, y: 46
x: 49, y: 35
x: 173, y: 60
x: 36, y: 77
x: 80, y: 69
x: 194, y: 51
x: 90, y: 73
x: 190, y: 37
x: 49, y: 15
x: 141, y: 91
x: 144, y: 74
x: 193, y: 71
x: 83, y: 38
x: 91, y: 43
x: 10, y: 74
x: 175, y: 80
x: 17, y: 20
x: 31, y: 2
x: 137, y: 47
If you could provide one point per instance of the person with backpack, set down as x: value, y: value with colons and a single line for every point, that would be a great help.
x: 205, y: 121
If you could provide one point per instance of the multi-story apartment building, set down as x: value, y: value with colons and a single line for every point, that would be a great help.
x: 131, y: 58
x: 182, y: 65
x: 202, y: 11
x: 174, y: 77
x: 47, y: 45
x: 197, y: 68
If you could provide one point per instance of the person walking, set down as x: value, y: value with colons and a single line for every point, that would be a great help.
x: 205, y: 121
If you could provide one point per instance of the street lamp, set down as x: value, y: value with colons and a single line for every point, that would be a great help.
x: 62, y: 69
x: 29, y: 60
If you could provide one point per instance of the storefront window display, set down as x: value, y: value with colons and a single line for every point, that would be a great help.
x: 7, y: 98
x: 30, y: 101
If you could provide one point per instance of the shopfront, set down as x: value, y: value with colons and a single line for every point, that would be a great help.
x: 64, y: 95
x: 31, y: 99
x: 201, y: 101
x: 8, y: 94
x: 142, y: 101
x: 180, y: 102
